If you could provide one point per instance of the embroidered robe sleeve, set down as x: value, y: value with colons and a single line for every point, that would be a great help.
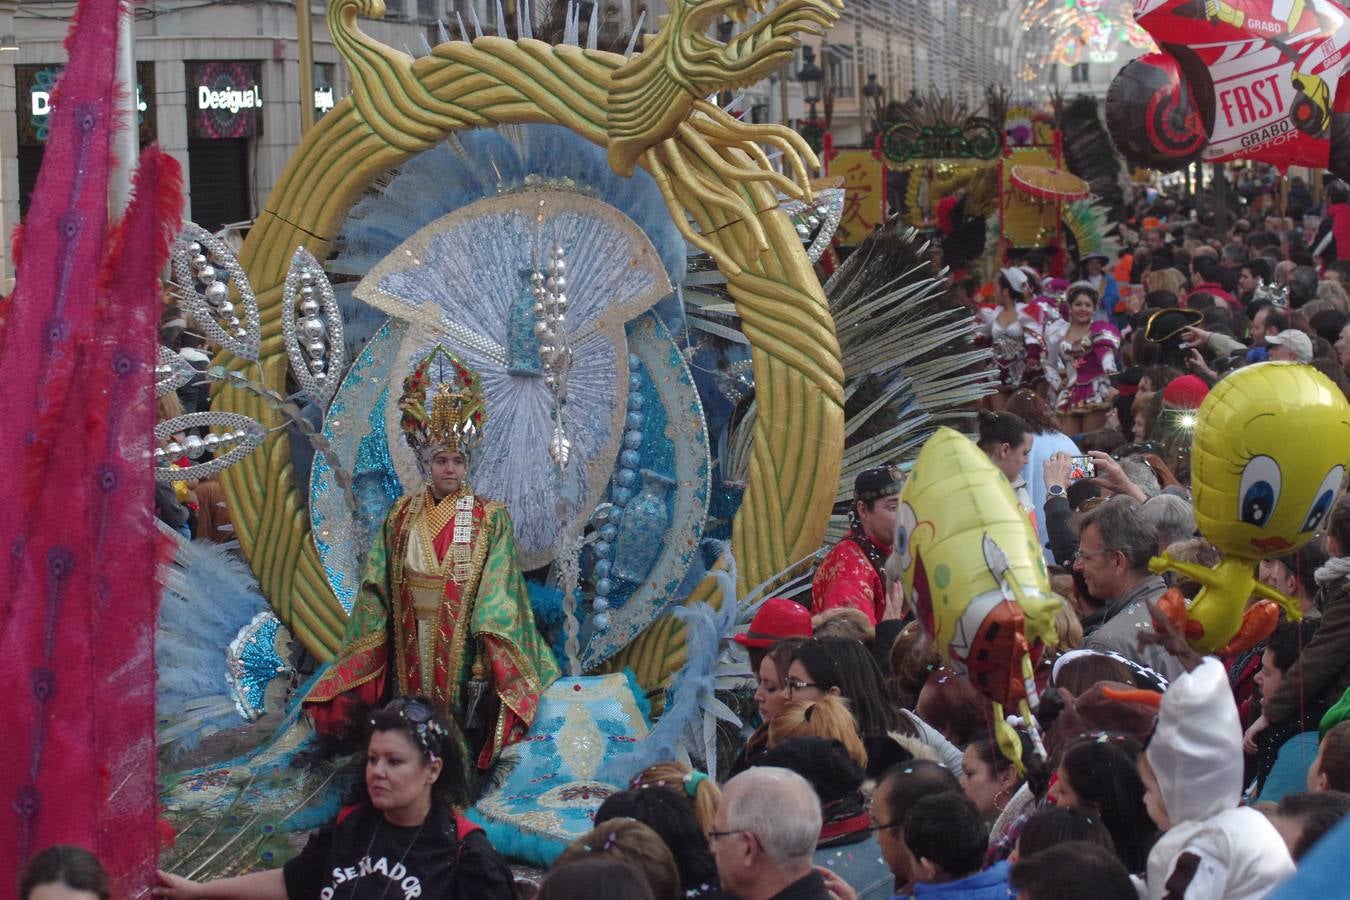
x: 522, y: 663
x: 846, y: 578
x: 359, y: 674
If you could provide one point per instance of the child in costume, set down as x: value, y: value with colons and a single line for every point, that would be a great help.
x: 1192, y: 773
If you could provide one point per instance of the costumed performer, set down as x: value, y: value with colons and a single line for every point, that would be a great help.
x: 1080, y: 360
x: 1013, y: 331
x: 402, y: 837
x: 852, y: 573
x: 1101, y: 281
x: 442, y: 609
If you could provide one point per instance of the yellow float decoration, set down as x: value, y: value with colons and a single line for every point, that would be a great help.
x: 973, y: 573
x: 1271, y: 446
x: 722, y: 192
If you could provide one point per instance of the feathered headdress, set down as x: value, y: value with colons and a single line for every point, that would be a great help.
x: 454, y: 418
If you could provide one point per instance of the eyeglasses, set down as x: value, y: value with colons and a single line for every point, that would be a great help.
x: 794, y: 684
x: 877, y: 826
x: 1080, y: 555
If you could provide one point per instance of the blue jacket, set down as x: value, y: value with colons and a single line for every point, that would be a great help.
x: 991, y: 884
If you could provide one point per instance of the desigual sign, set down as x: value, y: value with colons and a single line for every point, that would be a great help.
x: 41, y: 102
x: 34, y: 86
x: 224, y: 99
x: 229, y: 98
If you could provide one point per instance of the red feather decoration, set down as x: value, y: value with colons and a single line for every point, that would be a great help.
x: 77, y: 590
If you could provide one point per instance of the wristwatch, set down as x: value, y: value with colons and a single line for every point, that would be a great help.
x: 1055, y: 490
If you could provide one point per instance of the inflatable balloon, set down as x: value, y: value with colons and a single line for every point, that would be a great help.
x: 1237, y: 79
x: 1270, y: 451
x: 1152, y: 116
x: 973, y: 573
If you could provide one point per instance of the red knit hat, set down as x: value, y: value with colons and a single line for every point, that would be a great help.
x: 1187, y: 392
x: 778, y: 618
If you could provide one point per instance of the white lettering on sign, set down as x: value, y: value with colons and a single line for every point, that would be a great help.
x: 42, y: 101
x: 1264, y: 25
x: 231, y: 99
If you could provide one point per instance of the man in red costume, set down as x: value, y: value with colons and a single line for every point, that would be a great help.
x: 852, y: 574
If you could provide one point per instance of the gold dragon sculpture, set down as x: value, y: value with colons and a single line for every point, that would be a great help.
x: 721, y: 190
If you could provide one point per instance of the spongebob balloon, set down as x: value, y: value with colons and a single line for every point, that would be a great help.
x: 973, y: 573
x: 1270, y: 451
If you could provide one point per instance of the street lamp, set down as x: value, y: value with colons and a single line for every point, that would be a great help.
x: 812, y: 77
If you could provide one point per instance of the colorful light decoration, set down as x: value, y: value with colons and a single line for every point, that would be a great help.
x: 1068, y: 32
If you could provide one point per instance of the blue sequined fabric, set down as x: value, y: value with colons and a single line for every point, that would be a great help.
x: 551, y: 792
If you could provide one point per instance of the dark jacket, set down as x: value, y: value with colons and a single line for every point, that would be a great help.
x: 1060, y: 536
x: 1321, y: 674
x: 809, y: 887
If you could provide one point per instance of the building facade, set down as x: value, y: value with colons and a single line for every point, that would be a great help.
x: 218, y: 88
x: 219, y: 82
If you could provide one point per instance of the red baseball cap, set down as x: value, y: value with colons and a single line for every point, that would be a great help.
x: 778, y: 618
x: 1187, y: 391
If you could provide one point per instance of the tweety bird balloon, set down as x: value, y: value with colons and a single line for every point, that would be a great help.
x: 973, y: 572
x: 1271, y: 446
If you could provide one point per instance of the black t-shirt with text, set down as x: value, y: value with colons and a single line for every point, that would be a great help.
x: 363, y: 857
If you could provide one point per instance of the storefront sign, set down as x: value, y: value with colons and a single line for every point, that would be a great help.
x: 224, y: 100
x: 34, y: 86
x: 232, y: 99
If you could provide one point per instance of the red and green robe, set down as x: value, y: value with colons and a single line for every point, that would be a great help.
x: 433, y: 644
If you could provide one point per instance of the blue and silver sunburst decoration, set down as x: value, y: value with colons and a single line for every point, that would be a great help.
x: 462, y: 247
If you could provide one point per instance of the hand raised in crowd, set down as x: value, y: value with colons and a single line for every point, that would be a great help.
x: 1113, y: 478
x: 895, y: 602
x: 1195, y: 337
x: 1056, y: 469
x: 839, y: 888
x: 1252, y: 733
x: 1195, y: 361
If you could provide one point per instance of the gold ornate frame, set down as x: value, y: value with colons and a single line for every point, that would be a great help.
x: 645, y: 110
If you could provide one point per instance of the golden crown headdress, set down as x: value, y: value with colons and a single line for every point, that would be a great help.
x: 454, y: 418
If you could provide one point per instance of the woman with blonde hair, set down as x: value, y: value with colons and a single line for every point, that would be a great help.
x: 828, y: 718
x: 702, y: 791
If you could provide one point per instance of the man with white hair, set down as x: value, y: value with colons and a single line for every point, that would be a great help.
x: 765, y: 834
x: 1290, y: 345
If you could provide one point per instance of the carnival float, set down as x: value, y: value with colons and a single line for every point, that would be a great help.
x: 558, y: 254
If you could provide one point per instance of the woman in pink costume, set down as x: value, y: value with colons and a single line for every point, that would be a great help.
x: 1080, y: 358
x: 1013, y: 330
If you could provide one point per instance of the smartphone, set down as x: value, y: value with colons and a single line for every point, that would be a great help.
x: 1082, y: 467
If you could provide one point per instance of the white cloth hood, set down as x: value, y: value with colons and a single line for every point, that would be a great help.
x: 1196, y: 750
